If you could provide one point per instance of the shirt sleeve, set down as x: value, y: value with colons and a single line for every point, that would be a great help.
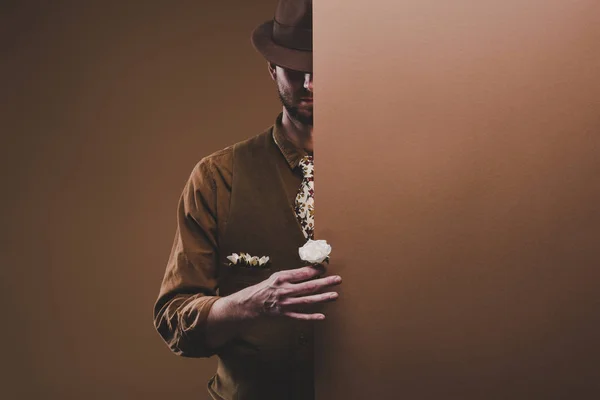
x: 188, y: 289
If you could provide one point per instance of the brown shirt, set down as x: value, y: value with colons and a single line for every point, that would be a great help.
x: 190, y: 283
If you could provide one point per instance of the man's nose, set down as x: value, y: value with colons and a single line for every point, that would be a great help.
x: 308, y: 82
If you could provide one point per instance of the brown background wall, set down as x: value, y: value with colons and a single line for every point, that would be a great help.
x: 456, y: 176
x: 106, y: 107
x: 475, y: 275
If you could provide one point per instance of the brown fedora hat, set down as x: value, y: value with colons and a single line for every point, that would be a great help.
x: 286, y: 40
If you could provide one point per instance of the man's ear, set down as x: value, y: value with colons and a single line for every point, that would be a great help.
x: 272, y: 70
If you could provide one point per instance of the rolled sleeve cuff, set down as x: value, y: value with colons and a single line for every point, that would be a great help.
x: 190, y: 339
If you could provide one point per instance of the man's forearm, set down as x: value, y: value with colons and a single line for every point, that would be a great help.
x: 227, y: 318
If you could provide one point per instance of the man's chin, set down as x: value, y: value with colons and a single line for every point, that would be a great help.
x: 305, y: 119
x: 303, y: 116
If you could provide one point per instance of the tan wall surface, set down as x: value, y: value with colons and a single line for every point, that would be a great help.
x: 106, y: 107
x: 457, y: 161
x: 472, y: 271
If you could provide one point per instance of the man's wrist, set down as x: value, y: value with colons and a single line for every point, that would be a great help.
x: 228, y: 316
x: 239, y: 307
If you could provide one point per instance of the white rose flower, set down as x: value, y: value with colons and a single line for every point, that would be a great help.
x: 314, y: 251
x: 233, y: 258
x: 253, y: 260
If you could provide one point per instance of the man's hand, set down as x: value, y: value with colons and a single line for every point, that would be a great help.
x: 285, y: 292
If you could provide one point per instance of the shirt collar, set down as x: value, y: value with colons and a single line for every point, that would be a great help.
x: 292, y: 154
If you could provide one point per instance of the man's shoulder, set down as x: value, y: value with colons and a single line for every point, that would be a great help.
x: 253, y: 141
x: 222, y: 160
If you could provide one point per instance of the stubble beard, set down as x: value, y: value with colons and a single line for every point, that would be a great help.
x: 294, y: 112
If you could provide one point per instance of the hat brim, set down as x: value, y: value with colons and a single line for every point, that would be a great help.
x: 262, y: 41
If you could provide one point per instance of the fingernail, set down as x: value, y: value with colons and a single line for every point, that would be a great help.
x: 337, y: 279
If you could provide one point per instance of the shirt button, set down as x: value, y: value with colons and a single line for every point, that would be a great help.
x: 302, y: 340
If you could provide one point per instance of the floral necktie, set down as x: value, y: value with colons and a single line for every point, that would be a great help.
x: 305, y: 202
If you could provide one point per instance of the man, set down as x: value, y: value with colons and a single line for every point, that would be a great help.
x: 253, y: 197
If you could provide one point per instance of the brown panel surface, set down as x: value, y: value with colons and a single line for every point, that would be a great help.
x: 106, y: 108
x: 457, y: 161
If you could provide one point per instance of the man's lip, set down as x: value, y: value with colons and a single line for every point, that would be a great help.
x: 306, y: 99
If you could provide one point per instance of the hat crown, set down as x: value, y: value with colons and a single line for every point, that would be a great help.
x: 292, y: 24
x: 296, y: 13
x: 286, y: 39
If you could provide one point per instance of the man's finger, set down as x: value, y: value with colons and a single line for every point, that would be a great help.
x: 308, y: 300
x: 305, y: 317
x: 299, y: 274
x: 314, y: 285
